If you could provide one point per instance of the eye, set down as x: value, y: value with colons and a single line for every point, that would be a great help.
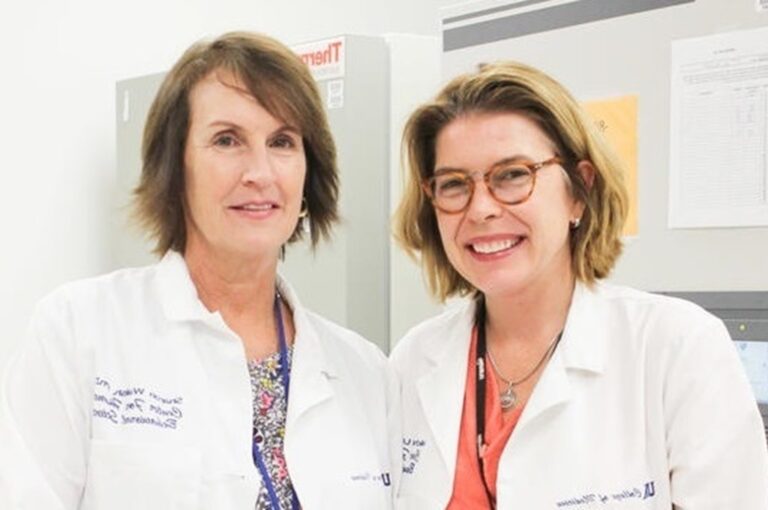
x: 226, y: 140
x: 515, y: 174
x: 283, y: 141
x: 450, y: 185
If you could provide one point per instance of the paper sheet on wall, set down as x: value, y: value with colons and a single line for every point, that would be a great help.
x: 616, y: 118
x: 719, y: 131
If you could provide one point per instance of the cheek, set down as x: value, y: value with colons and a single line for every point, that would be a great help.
x: 552, y: 208
x: 206, y: 191
x: 301, y: 177
x: 448, y: 228
x: 292, y: 174
x: 200, y: 191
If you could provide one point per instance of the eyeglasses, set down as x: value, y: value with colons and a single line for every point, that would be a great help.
x: 510, y: 183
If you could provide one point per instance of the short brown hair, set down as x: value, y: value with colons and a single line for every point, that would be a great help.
x: 513, y: 87
x: 281, y: 83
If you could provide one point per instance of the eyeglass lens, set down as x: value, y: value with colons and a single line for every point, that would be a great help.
x: 510, y: 183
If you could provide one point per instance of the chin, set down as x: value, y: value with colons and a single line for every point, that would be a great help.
x: 253, y: 248
x: 503, y: 284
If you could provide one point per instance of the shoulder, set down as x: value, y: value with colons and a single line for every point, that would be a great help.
x: 657, y: 324
x: 73, y: 321
x: 651, y: 309
x: 96, y: 294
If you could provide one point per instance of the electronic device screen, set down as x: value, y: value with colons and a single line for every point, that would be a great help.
x: 754, y: 355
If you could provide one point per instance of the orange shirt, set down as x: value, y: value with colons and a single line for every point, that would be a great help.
x: 468, y: 490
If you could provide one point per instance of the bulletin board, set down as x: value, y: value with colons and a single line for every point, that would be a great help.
x: 619, y: 50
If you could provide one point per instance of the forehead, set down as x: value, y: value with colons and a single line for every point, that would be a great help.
x: 219, y: 81
x: 221, y: 95
x: 485, y: 138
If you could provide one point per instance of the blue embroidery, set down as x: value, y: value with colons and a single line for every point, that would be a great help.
x: 650, y: 490
x: 134, y: 405
x: 366, y: 477
x: 609, y: 500
x: 412, y: 448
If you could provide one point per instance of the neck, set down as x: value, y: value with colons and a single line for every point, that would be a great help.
x: 230, y: 283
x: 242, y: 291
x: 534, y: 316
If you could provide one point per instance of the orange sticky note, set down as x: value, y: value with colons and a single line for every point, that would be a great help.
x: 616, y: 118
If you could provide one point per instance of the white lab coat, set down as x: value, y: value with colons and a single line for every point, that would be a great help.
x: 129, y: 394
x: 643, y: 405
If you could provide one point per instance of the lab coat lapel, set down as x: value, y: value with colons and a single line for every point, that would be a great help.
x: 581, y: 351
x: 310, y: 385
x: 552, y: 390
x: 311, y: 370
x: 441, y: 390
x: 178, y: 295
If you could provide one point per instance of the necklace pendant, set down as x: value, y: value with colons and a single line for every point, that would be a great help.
x: 508, y: 398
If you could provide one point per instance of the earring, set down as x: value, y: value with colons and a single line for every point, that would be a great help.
x: 575, y: 223
x: 304, y: 223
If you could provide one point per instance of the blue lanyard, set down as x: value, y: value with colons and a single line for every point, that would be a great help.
x: 285, y: 375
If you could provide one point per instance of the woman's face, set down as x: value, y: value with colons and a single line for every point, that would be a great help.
x: 244, y: 172
x: 499, y: 248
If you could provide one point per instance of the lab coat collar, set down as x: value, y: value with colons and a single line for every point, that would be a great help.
x: 581, y: 350
x: 307, y: 338
x: 312, y: 367
x: 584, y: 342
x: 441, y: 388
x: 178, y: 295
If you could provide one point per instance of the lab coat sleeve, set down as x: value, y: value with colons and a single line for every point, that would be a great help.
x: 715, y: 439
x: 43, y: 418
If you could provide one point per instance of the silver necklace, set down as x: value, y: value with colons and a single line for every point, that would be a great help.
x: 508, y: 397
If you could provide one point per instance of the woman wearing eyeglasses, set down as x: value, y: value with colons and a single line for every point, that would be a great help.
x: 549, y: 389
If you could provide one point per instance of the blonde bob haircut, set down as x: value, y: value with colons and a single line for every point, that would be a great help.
x: 513, y: 87
x: 281, y: 83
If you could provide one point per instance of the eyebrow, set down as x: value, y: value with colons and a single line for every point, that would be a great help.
x: 285, y: 128
x: 509, y: 159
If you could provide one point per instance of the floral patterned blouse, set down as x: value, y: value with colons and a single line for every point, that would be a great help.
x: 269, y: 409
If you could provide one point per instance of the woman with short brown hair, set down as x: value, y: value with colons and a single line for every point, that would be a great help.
x: 201, y: 382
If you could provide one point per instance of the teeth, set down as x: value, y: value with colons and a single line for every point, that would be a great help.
x: 494, y: 246
x: 254, y: 207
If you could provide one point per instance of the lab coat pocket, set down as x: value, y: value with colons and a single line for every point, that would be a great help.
x: 146, y: 476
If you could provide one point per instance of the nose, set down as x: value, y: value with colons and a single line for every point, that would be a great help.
x: 482, y: 205
x: 257, y: 168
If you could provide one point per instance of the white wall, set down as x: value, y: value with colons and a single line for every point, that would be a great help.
x: 413, y: 67
x: 60, y: 61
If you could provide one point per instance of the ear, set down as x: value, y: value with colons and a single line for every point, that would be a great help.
x: 587, y: 171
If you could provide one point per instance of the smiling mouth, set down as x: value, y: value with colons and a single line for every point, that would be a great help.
x: 254, y: 207
x: 489, y: 248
